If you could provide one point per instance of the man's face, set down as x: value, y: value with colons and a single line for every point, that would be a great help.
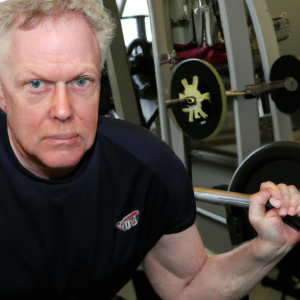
x: 50, y: 87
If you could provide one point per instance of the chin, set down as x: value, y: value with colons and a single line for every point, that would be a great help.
x: 64, y: 160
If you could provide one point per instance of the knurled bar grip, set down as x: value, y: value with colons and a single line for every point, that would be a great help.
x: 237, y: 199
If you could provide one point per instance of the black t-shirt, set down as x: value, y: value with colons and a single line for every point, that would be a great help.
x: 83, y: 237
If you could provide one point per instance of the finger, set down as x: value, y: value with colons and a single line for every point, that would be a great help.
x: 257, y: 205
x: 285, y: 206
x: 276, y: 197
x: 295, y: 200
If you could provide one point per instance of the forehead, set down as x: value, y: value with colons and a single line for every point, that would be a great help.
x: 67, y: 42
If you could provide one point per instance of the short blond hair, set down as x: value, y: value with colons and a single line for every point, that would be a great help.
x: 34, y: 11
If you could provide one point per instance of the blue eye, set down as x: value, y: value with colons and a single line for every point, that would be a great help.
x: 35, y: 84
x: 81, y: 82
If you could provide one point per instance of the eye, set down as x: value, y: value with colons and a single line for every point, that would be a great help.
x: 81, y: 82
x: 35, y: 84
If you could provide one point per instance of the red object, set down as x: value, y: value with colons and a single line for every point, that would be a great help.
x: 213, y: 54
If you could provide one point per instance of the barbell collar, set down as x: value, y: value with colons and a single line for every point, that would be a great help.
x: 291, y: 84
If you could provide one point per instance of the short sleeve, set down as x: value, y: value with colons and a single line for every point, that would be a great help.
x: 172, y: 195
x: 181, y: 206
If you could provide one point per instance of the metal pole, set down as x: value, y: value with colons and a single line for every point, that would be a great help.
x: 269, y: 52
x: 141, y: 27
x: 241, y: 74
x: 121, y: 6
x: 161, y: 45
x: 119, y: 73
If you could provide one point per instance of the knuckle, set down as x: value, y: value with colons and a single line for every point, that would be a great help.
x: 296, y: 198
x: 293, y: 188
x: 282, y: 185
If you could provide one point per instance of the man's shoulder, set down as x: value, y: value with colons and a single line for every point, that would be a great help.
x: 130, y: 136
x: 141, y: 143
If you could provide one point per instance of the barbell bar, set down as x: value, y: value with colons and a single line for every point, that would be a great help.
x: 290, y: 84
x: 219, y: 197
x: 252, y: 91
x: 188, y: 100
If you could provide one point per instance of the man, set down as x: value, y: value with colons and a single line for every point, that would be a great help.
x: 83, y: 201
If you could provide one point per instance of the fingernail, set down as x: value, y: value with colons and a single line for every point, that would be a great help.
x: 283, y: 210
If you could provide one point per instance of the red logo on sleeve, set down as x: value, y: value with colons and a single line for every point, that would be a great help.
x: 129, y: 221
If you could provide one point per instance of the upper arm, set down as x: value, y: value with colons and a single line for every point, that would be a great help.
x: 174, y: 261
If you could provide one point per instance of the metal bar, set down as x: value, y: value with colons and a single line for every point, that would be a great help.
x: 240, y: 200
x: 176, y: 101
x: 141, y: 27
x: 119, y: 73
x: 234, y: 93
x: 269, y: 52
x: 289, y: 83
x: 241, y: 71
x: 221, y: 197
x: 216, y: 158
x: 188, y: 100
x: 121, y: 7
x: 161, y: 44
x: 211, y: 215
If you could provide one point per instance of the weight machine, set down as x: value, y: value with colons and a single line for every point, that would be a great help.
x: 240, y: 65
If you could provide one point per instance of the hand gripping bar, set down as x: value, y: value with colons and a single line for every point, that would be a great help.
x: 239, y: 200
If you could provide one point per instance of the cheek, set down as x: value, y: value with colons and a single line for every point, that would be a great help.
x: 86, y: 117
x: 25, y: 128
x: 88, y: 113
x: 90, y: 123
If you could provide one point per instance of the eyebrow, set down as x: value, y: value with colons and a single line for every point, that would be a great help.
x: 44, y: 75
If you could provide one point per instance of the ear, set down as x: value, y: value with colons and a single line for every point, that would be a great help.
x: 2, y: 100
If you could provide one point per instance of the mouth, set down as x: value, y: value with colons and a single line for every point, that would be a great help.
x: 63, y: 138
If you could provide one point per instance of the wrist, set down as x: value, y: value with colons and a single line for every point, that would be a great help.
x: 268, y: 251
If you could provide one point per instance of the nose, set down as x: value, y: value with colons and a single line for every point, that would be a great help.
x: 62, y: 109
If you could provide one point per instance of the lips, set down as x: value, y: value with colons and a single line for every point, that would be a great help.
x: 63, y: 138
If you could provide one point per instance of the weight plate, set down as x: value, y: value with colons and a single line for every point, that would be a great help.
x: 197, y: 78
x: 278, y: 162
x: 286, y: 66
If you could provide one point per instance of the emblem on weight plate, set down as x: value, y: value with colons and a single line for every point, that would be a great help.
x: 195, y: 111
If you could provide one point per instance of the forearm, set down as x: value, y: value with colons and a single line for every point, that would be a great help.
x: 231, y: 275
x: 179, y: 268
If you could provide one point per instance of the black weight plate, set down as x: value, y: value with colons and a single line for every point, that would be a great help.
x: 286, y: 66
x: 278, y: 162
x: 210, y: 82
